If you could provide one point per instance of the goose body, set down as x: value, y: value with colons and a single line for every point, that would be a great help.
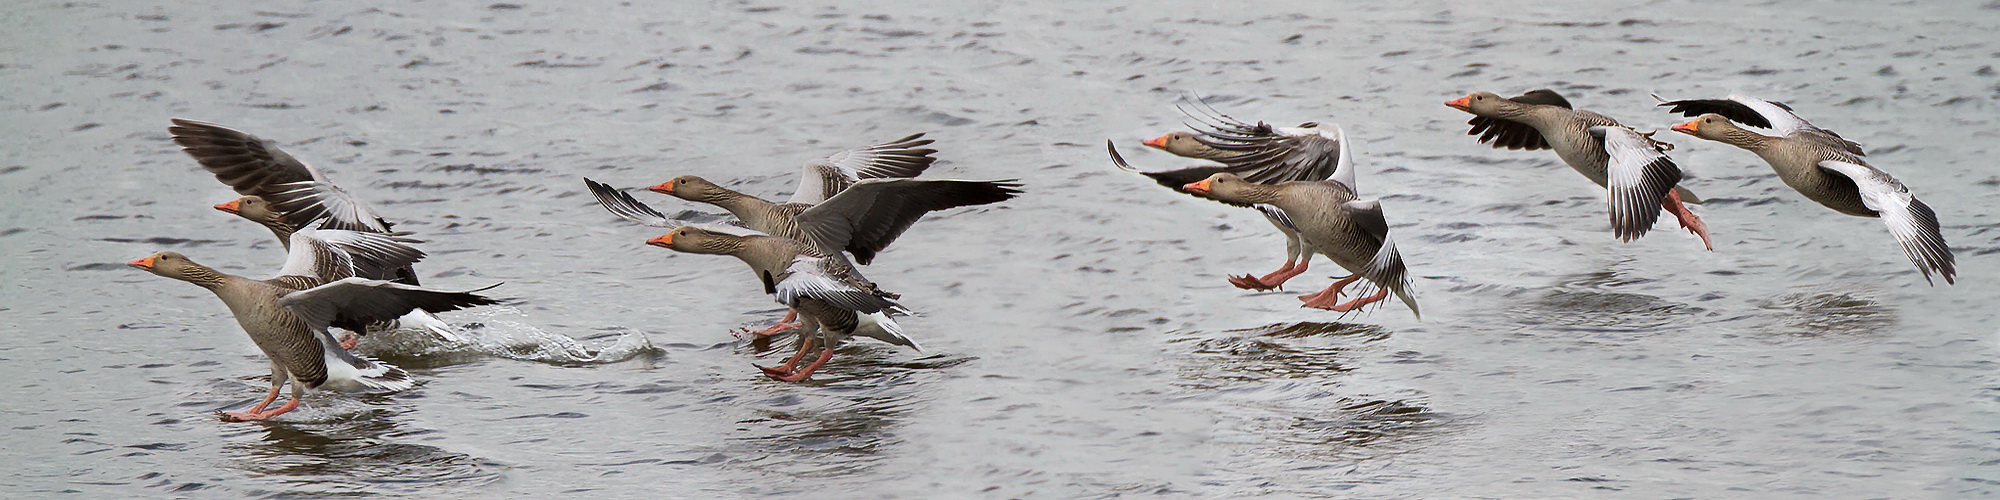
x: 287, y: 316
x: 1351, y: 232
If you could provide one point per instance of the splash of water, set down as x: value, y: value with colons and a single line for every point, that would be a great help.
x: 502, y: 332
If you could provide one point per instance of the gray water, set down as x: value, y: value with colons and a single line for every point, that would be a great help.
x: 1081, y: 340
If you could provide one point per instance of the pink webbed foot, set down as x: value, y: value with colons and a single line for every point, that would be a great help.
x: 771, y: 330
x: 783, y: 325
x: 1275, y: 280
x: 1687, y: 218
x: 348, y: 341
x: 1351, y: 305
x: 257, y: 415
x: 806, y: 373
x: 1331, y: 293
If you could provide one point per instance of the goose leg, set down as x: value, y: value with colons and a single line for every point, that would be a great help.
x: 277, y: 382
x: 1688, y: 219
x: 348, y: 340
x: 782, y: 325
x: 1330, y: 294
x: 298, y: 392
x: 805, y: 373
x: 805, y: 345
x: 1357, y: 303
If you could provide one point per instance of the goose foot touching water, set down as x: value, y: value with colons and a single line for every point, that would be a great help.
x: 787, y: 324
x: 257, y: 412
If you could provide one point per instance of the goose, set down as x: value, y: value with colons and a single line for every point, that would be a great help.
x: 1633, y: 167
x: 833, y: 299
x: 1260, y: 153
x: 871, y: 212
x: 320, y: 286
x: 1826, y: 169
x: 1350, y: 232
x: 283, y: 193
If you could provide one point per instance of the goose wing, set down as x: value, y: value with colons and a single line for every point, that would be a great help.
x: 1913, y: 223
x: 823, y: 178
x: 255, y: 166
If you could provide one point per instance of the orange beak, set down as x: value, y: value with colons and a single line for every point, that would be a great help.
x: 1200, y: 186
x: 1157, y: 142
x: 1461, y: 104
x: 1688, y: 128
x: 663, y: 188
x: 145, y: 263
x: 664, y: 241
x: 234, y: 206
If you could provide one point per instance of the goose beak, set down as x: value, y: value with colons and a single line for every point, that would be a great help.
x: 1197, y: 187
x: 234, y: 207
x: 1157, y: 142
x: 664, y: 241
x: 145, y: 263
x: 1688, y: 128
x: 1461, y: 104
x: 663, y: 188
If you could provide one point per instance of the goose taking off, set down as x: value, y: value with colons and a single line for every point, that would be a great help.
x: 283, y: 193
x: 287, y: 316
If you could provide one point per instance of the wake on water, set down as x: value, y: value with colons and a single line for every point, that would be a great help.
x: 500, y: 331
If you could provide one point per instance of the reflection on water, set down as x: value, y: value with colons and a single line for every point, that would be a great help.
x: 842, y: 421
x: 1285, y: 350
x: 1826, y: 313
x: 1579, y: 303
x: 1284, y: 384
x: 370, y: 453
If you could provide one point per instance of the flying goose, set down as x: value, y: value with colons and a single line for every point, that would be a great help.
x: 1829, y: 170
x: 833, y: 299
x: 861, y: 217
x: 1351, y: 232
x: 283, y: 193
x: 1259, y: 153
x: 1633, y: 167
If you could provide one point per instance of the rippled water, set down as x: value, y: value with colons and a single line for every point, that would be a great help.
x: 1081, y: 341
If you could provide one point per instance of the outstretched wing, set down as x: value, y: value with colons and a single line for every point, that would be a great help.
x: 353, y: 303
x: 624, y: 205
x: 335, y: 254
x: 823, y: 178
x: 1773, y: 116
x: 868, y: 216
x: 1511, y: 134
x: 1639, y: 176
x: 1913, y: 223
x: 1265, y: 154
x: 258, y: 167
x: 1172, y: 179
x: 1386, y: 269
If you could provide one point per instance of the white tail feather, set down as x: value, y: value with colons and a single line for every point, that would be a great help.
x: 879, y: 326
